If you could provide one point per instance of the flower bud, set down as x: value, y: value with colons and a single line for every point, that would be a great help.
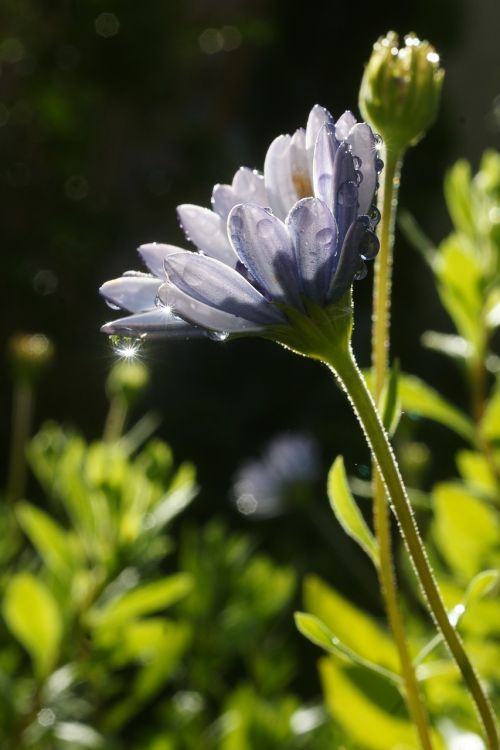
x: 127, y: 381
x: 29, y: 354
x: 401, y: 89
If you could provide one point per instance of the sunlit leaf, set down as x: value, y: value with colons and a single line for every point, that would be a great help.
x: 457, y: 190
x: 447, y: 343
x: 318, y: 633
x: 356, y: 629
x: 477, y: 471
x: 32, y: 615
x: 365, y: 721
x: 346, y: 510
x: 57, y: 547
x: 490, y: 424
x: 465, y: 529
x: 143, y: 600
x: 419, y: 398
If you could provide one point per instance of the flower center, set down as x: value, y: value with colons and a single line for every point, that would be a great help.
x: 302, y: 185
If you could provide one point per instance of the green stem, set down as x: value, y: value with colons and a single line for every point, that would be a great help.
x: 381, y: 516
x: 22, y: 413
x: 346, y: 370
x: 116, y: 419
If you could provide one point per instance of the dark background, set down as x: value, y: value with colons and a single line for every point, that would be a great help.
x: 107, y: 122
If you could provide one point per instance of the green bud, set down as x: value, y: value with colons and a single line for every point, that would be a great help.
x: 127, y: 381
x: 29, y: 354
x: 401, y: 90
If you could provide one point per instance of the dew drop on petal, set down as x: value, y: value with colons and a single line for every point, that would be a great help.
x: 357, y: 162
x: 111, y: 305
x: 358, y: 176
x: 369, y: 246
x: 348, y: 193
x: 324, y: 236
x: 218, y: 335
x: 265, y: 229
x: 361, y: 272
x: 374, y: 216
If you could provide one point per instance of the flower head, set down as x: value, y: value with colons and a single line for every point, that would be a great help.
x: 401, y: 89
x: 262, y: 486
x: 274, y: 247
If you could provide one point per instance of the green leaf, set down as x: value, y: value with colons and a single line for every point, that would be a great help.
x: 416, y: 236
x: 32, y: 615
x: 365, y: 721
x: 490, y: 424
x: 457, y: 190
x: 347, y: 512
x: 477, y: 472
x: 446, y: 343
x: 143, y: 600
x: 57, y: 547
x: 356, y: 629
x: 465, y: 529
x: 318, y: 633
x: 419, y: 398
x: 481, y: 585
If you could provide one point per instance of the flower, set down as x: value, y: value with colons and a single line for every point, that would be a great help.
x: 401, y: 89
x: 272, y: 245
x: 261, y: 487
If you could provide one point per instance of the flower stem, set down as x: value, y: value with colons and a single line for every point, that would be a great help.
x: 381, y: 517
x: 346, y: 370
x: 115, y: 420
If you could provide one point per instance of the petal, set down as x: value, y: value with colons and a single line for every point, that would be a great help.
x: 363, y: 146
x: 344, y: 125
x: 197, y: 313
x: 264, y: 246
x: 223, y: 199
x: 158, y: 322
x: 323, y: 166
x: 207, y: 231
x: 299, y: 166
x: 314, y: 233
x: 154, y: 253
x: 349, y: 262
x: 249, y: 186
x: 278, y: 176
x: 215, y: 284
x: 318, y: 116
x: 345, y: 190
x: 133, y: 293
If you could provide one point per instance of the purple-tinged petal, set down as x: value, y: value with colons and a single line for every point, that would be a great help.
x: 198, y: 313
x: 265, y: 248
x: 215, y: 284
x: 223, y: 199
x: 318, y: 116
x: 363, y: 146
x: 207, y: 231
x: 313, y: 230
x: 344, y: 125
x: 158, y: 322
x: 323, y: 167
x: 249, y: 186
x: 278, y: 176
x: 133, y: 293
x: 345, y: 190
x: 299, y: 166
x: 153, y: 255
x: 349, y: 262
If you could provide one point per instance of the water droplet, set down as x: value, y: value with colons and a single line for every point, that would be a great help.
x: 111, y: 305
x: 358, y: 178
x: 379, y: 165
x: 265, y: 229
x: 378, y: 139
x: 374, y: 216
x: 324, y: 236
x: 369, y: 246
x: 218, y: 335
x: 357, y: 162
x: 361, y: 272
x: 125, y: 346
x: 347, y: 194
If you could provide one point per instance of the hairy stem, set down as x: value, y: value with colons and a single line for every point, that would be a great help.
x: 346, y: 370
